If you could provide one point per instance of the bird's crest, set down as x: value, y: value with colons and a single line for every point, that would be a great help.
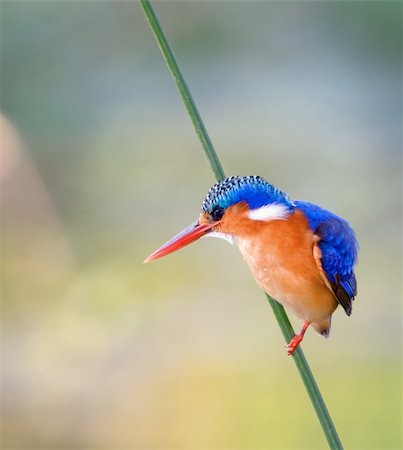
x: 252, y: 189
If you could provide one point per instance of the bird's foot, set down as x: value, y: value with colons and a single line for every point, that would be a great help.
x: 295, y: 341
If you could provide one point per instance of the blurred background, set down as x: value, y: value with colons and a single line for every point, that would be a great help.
x: 100, y: 165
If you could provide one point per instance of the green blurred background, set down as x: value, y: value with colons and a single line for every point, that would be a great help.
x: 100, y: 165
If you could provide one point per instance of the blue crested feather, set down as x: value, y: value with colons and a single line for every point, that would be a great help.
x: 254, y: 190
x: 338, y: 245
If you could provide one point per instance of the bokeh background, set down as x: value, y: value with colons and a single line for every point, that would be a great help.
x: 100, y: 165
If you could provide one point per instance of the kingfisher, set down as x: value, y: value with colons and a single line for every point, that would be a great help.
x: 299, y: 253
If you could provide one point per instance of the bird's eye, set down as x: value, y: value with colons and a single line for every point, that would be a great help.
x: 217, y: 214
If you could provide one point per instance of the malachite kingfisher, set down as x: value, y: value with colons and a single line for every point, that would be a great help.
x: 300, y: 254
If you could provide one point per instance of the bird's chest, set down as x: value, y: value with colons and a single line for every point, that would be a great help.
x: 271, y: 263
x: 280, y: 257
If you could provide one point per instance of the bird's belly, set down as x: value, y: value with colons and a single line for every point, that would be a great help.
x: 289, y: 274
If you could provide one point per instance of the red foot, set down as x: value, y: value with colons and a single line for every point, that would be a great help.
x: 296, y: 340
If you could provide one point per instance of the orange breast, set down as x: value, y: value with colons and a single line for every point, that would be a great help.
x: 280, y: 254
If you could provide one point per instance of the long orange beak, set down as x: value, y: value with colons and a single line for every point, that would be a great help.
x: 185, y: 237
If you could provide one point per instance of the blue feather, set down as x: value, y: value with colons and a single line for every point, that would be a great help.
x: 338, y: 245
x: 253, y: 190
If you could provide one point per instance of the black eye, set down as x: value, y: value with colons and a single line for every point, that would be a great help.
x: 217, y: 213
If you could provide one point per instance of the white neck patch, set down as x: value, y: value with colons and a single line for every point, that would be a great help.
x: 275, y: 211
x: 217, y: 234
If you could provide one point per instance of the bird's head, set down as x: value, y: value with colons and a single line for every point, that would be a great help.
x: 231, y: 208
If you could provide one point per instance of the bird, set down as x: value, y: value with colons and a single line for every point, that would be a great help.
x: 300, y: 254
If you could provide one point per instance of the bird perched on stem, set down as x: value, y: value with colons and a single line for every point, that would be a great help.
x: 300, y: 254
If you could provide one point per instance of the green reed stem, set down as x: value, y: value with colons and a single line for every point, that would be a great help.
x: 211, y: 155
x: 183, y: 90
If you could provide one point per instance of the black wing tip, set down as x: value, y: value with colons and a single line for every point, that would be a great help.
x: 346, y: 303
x: 342, y: 297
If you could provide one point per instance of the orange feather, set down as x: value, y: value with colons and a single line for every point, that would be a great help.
x: 285, y: 260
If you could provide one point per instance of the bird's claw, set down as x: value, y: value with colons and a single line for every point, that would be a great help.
x: 293, y: 344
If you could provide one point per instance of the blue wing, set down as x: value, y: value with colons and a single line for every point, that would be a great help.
x: 339, y: 248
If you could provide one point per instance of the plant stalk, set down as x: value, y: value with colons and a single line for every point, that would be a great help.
x: 211, y: 155
x: 184, y: 91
